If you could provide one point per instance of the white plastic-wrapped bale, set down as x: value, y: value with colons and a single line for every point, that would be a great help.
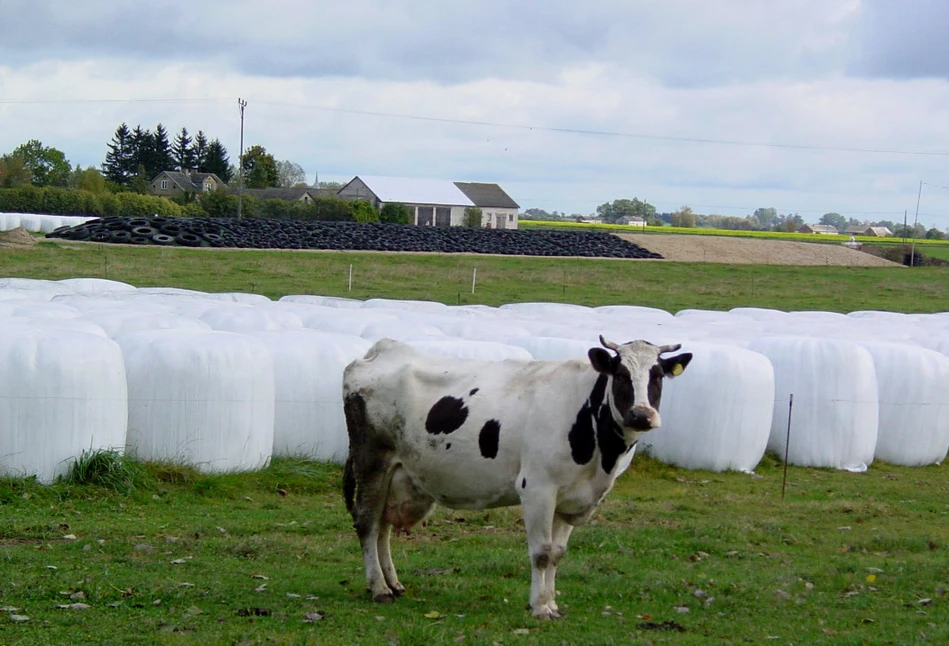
x: 238, y: 317
x: 835, y: 410
x: 200, y: 398
x: 9, y: 221
x: 478, y: 330
x: 433, y: 307
x: 404, y: 329
x: 308, y: 367
x: 119, y: 322
x: 37, y: 309
x: 913, y: 387
x: 717, y: 414
x: 468, y: 349
x: 340, y: 320
x: 552, y: 348
x: 36, y: 287
x: 64, y: 392
x: 95, y: 285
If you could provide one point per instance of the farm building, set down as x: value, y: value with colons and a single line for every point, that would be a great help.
x: 822, y: 229
x: 432, y: 202
x: 173, y: 183
x: 867, y: 230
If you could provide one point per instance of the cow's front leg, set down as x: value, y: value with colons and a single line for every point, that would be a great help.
x: 560, y: 536
x: 538, y: 522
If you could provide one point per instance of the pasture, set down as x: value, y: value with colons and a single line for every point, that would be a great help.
x: 147, y: 553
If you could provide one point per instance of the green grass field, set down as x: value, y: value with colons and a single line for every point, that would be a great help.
x: 500, y: 279
x: 158, y: 554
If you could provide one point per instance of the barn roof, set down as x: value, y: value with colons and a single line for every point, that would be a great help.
x: 415, y: 190
x: 487, y: 195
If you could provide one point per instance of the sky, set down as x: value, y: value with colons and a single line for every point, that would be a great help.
x: 807, y: 106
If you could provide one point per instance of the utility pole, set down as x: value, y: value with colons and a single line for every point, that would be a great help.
x: 240, y: 169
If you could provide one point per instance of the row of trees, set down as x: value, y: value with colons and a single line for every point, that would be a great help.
x: 136, y: 156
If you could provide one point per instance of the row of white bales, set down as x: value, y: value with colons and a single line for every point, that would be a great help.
x: 225, y: 381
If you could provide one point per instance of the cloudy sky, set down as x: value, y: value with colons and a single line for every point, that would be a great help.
x: 808, y: 106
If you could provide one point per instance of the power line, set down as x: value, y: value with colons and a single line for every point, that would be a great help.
x: 514, y: 126
x: 609, y: 133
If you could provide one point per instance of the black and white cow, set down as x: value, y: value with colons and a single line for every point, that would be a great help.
x: 551, y: 436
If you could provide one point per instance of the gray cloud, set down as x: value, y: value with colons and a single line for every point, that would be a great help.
x: 686, y: 43
x: 902, y: 40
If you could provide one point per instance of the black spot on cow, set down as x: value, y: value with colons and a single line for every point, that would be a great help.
x: 523, y: 483
x: 446, y: 416
x: 473, y: 391
x: 609, y: 437
x: 582, y: 435
x: 488, y: 438
x: 448, y: 446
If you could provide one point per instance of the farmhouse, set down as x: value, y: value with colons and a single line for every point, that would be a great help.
x: 433, y: 202
x: 822, y: 229
x: 173, y: 183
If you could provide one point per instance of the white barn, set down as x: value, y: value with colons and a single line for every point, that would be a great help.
x: 434, y: 202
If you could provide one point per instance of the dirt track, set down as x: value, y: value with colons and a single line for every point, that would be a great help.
x: 722, y: 249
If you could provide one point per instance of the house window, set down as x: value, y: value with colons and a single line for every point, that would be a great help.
x: 164, y: 185
x: 208, y: 185
x: 510, y: 217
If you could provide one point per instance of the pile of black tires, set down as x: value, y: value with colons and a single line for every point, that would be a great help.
x: 257, y: 233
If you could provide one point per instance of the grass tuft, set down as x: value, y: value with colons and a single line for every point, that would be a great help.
x: 108, y: 469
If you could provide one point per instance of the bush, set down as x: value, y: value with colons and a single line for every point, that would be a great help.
x: 395, y: 213
x: 61, y: 201
x: 363, y: 211
x: 472, y: 217
x: 107, y: 469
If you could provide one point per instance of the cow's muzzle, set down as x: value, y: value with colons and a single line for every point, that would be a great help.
x: 642, y: 418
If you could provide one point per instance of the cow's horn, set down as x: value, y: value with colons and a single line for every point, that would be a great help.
x: 609, y: 344
x: 669, y: 348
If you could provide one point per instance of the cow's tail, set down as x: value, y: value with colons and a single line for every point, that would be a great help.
x: 349, y: 483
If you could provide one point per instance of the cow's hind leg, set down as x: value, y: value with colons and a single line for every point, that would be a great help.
x: 406, y: 506
x: 365, y: 485
x: 367, y: 513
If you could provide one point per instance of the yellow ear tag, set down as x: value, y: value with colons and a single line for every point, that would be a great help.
x: 677, y: 370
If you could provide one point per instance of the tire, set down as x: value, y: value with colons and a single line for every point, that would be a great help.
x: 120, y: 235
x: 187, y: 239
x: 162, y: 239
x: 100, y: 236
x: 144, y: 230
x: 139, y: 239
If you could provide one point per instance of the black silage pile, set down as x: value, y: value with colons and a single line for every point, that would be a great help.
x: 258, y: 233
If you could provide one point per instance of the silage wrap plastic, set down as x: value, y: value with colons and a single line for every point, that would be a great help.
x: 308, y: 368
x: 62, y: 392
x: 466, y: 349
x: 834, y: 417
x: 717, y: 414
x: 200, y: 398
x: 913, y: 387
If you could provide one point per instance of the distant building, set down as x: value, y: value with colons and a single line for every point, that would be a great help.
x: 632, y: 220
x: 438, y: 203
x: 305, y: 194
x: 867, y: 230
x: 822, y: 229
x: 173, y: 183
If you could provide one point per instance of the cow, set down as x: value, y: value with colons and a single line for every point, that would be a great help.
x: 552, y: 436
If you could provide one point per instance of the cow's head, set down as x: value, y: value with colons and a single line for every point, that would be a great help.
x: 636, y: 370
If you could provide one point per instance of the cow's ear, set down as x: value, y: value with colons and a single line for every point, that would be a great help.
x: 673, y: 366
x: 602, y: 360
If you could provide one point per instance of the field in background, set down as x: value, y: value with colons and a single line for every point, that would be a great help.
x: 165, y: 555
x: 500, y: 279
x: 765, y: 235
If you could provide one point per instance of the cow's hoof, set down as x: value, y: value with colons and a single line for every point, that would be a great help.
x: 398, y: 590
x: 386, y: 597
x: 545, y: 613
